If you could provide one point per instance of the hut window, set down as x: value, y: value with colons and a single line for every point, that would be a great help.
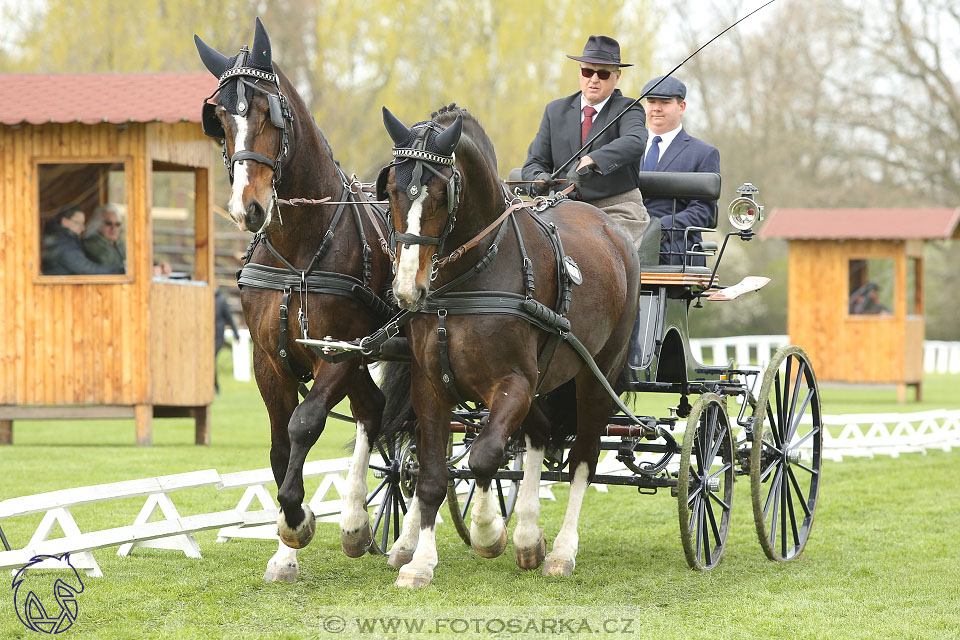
x: 914, y: 287
x: 82, y: 218
x: 871, y: 286
x: 173, y: 214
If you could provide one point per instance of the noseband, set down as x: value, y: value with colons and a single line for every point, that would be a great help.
x: 423, y: 158
x: 280, y: 113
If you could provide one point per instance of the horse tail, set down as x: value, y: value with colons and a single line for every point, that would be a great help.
x: 398, y: 414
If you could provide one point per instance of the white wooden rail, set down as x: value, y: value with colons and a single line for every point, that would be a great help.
x: 255, y: 515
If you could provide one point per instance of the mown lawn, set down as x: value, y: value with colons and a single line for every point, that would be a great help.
x: 882, y: 560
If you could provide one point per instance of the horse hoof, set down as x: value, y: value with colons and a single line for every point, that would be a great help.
x: 301, y: 536
x: 356, y: 543
x: 562, y: 567
x: 399, y: 557
x: 494, y: 550
x: 414, y: 578
x: 285, y: 573
x: 528, y: 559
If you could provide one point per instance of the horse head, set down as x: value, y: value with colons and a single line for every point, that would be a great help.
x: 251, y: 116
x: 423, y: 186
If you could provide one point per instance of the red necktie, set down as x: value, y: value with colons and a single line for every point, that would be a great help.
x: 588, y: 113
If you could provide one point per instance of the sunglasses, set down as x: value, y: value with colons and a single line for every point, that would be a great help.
x: 603, y: 74
x: 111, y: 224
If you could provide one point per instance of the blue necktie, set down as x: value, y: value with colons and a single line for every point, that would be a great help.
x: 653, y: 155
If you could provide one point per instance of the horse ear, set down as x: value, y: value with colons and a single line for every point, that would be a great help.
x: 447, y: 140
x: 213, y: 60
x: 398, y: 131
x: 262, y: 56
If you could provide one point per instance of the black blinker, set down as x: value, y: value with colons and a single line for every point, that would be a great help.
x: 276, y: 111
x: 381, y: 185
x: 212, y: 126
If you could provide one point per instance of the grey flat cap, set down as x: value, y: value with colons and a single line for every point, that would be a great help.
x: 669, y: 88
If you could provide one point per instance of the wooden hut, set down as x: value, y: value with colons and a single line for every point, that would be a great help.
x: 855, y: 289
x: 105, y: 346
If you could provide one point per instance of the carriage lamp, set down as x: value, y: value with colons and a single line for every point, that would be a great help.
x: 744, y: 212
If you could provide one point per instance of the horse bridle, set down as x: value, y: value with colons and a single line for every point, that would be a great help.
x: 423, y: 159
x: 280, y: 114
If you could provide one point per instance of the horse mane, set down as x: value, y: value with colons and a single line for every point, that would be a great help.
x: 446, y: 114
x: 294, y: 96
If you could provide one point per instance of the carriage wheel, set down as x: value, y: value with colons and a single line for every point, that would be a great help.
x: 705, y: 483
x: 785, y: 456
x: 397, y: 481
x: 459, y: 501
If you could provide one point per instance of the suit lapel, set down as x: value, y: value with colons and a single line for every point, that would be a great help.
x: 571, y: 125
x: 675, y: 149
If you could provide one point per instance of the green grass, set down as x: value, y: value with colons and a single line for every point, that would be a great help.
x: 881, y: 562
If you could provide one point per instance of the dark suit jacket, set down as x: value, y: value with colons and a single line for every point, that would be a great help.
x: 617, y: 152
x: 685, y: 153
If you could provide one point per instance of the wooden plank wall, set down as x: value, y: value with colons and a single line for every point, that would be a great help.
x: 87, y: 340
x: 181, y: 343
x: 68, y: 340
x: 842, y: 347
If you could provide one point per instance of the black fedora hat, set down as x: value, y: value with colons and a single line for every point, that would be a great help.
x: 601, y: 50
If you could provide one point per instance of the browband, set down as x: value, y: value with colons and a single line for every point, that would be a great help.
x: 249, y: 71
x: 426, y: 156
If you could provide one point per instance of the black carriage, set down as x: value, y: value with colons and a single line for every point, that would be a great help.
x: 774, y: 435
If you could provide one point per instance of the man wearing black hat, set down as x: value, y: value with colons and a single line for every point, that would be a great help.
x: 671, y: 148
x: 606, y: 173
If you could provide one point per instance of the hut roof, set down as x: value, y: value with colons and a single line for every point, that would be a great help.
x: 862, y: 224
x: 90, y: 98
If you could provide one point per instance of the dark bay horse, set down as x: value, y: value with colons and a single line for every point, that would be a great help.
x: 468, y: 344
x: 308, y: 267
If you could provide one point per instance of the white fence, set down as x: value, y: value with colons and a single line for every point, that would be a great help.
x: 847, y: 435
x: 938, y: 356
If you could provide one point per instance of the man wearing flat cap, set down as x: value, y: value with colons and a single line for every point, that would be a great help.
x: 671, y: 148
x: 606, y: 172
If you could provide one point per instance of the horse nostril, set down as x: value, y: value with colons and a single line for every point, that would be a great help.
x: 255, y: 215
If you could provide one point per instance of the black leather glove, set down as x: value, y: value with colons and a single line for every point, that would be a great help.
x: 577, y: 176
x: 541, y: 188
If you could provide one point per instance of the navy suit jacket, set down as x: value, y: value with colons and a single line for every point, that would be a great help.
x: 685, y: 153
x: 617, y: 152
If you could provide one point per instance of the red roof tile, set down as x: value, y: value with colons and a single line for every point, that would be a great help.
x: 848, y: 224
x: 103, y: 97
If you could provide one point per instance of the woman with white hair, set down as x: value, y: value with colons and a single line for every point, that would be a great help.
x: 101, y: 240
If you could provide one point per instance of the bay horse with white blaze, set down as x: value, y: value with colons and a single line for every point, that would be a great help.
x: 505, y: 323
x: 315, y: 258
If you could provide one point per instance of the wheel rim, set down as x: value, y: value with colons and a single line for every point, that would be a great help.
x: 705, y: 483
x: 394, y: 486
x: 785, y: 456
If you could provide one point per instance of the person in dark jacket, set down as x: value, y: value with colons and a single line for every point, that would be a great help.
x: 606, y: 175
x: 671, y: 148
x: 223, y: 318
x: 62, y: 252
x: 101, y: 241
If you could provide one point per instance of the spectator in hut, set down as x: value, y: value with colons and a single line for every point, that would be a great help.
x: 606, y: 174
x: 671, y: 148
x: 223, y: 319
x: 62, y: 251
x: 866, y: 301
x: 101, y: 240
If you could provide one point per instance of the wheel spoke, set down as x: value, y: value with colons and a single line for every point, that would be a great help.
x: 806, y: 468
x: 796, y: 487
x: 773, y: 419
x: 385, y: 534
x: 379, y: 517
x: 766, y: 472
x: 720, y: 470
x: 503, y: 504
x: 706, y: 533
x: 377, y: 467
x: 774, y: 486
x: 806, y: 437
x: 798, y: 416
x: 726, y: 507
x: 397, y: 499
x: 468, y: 500
x: 698, y: 514
x: 715, y: 445
x: 693, y: 494
x: 377, y: 490
x: 792, y: 407
x: 793, y: 515
x: 713, y: 524
x: 709, y: 439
